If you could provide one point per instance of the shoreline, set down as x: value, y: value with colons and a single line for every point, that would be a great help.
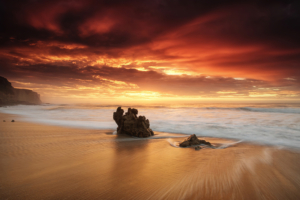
x: 49, y: 162
x: 157, y: 134
x: 258, y: 126
x: 20, y: 118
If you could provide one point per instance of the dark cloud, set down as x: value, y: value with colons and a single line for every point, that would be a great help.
x: 88, y: 41
x: 137, y: 22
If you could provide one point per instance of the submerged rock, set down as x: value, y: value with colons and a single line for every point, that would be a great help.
x: 12, y: 120
x: 131, y: 124
x: 193, y: 140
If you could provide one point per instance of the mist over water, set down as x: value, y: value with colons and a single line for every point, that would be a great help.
x: 276, y: 124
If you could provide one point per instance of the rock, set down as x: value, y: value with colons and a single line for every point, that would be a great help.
x: 12, y: 120
x: 134, y: 111
x: 184, y: 144
x: 206, y: 143
x: 3, y: 120
x: 193, y: 140
x: 13, y: 96
x: 131, y: 124
x: 27, y: 96
x: 118, y: 118
x: 198, y: 148
x: 6, y: 87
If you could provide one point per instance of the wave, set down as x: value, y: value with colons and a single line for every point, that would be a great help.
x: 278, y: 125
x: 293, y: 110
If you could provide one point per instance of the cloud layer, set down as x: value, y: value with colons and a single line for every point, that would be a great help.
x: 176, y: 49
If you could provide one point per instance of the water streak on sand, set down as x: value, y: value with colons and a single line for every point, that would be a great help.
x: 200, y: 183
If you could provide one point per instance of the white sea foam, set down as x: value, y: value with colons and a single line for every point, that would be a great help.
x: 225, y: 145
x: 271, y: 124
x: 173, y: 143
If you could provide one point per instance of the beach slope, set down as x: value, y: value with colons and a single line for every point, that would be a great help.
x: 49, y: 162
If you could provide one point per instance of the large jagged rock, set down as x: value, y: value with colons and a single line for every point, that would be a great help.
x: 118, y: 117
x: 193, y: 140
x: 131, y: 124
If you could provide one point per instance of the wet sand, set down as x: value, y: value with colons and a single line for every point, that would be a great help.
x: 49, y: 162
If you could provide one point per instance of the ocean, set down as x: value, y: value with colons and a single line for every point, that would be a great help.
x: 272, y: 124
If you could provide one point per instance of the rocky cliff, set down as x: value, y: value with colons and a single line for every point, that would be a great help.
x: 11, y: 96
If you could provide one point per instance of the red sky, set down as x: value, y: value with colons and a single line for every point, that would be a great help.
x: 152, y: 51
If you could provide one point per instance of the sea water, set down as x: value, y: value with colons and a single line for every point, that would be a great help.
x: 275, y: 124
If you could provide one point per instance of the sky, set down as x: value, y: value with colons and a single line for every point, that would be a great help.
x: 114, y: 51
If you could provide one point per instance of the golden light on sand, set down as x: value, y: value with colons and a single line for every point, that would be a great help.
x: 43, y: 161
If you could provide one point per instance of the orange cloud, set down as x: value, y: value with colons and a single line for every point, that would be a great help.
x: 152, y: 49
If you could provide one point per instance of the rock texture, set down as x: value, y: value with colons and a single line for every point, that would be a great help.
x: 24, y: 95
x: 198, y: 148
x: 131, y: 124
x: 193, y: 140
x: 12, y: 96
x: 6, y: 87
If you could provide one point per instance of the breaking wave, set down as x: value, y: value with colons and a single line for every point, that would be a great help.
x: 276, y: 124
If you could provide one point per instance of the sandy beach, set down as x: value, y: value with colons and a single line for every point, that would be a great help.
x: 50, y: 162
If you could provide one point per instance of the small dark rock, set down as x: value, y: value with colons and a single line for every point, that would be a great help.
x: 12, y: 120
x: 193, y: 140
x: 204, y: 142
x: 3, y: 120
x: 184, y: 144
x: 198, y: 148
